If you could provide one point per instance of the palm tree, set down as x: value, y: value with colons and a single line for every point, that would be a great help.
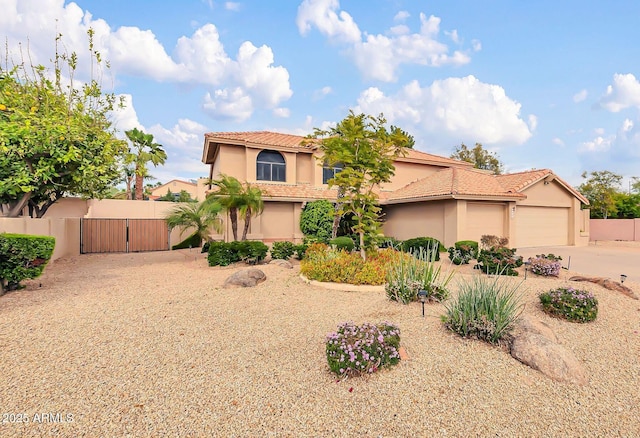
x: 229, y: 196
x: 203, y: 216
x: 144, y: 151
x: 251, y: 205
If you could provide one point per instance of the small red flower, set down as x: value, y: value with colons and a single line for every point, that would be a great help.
x: 351, y: 389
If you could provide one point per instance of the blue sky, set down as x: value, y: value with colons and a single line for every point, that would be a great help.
x: 543, y: 84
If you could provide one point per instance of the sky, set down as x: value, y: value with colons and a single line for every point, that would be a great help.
x: 543, y: 84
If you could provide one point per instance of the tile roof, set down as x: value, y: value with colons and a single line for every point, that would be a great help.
x: 453, y: 182
x: 258, y: 137
x: 414, y: 154
x: 514, y: 182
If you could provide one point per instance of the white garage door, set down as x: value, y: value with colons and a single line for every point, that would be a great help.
x: 541, y: 226
x: 484, y: 218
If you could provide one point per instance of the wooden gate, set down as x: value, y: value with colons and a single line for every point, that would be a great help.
x: 123, y: 235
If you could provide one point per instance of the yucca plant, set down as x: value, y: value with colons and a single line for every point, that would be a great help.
x: 486, y: 308
x: 410, y: 274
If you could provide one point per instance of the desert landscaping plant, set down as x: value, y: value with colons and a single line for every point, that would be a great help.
x: 354, y: 350
x: 499, y: 260
x: 343, y: 242
x: 408, y: 275
x: 546, y: 265
x: 225, y: 253
x: 21, y: 257
x: 571, y: 304
x: 282, y: 250
x: 486, y: 308
x: 428, y: 244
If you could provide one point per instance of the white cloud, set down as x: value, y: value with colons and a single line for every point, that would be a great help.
x: 183, y: 144
x: 378, y: 56
x: 199, y: 60
x: 477, y: 45
x: 282, y: 112
x: 599, y: 131
x: 225, y: 104
x: 232, y: 6
x: 623, y: 93
x: 598, y: 144
x: 580, y: 96
x: 558, y: 142
x: 533, y: 122
x: 125, y: 117
x: 401, y: 16
x: 324, y: 15
x: 451, y: 109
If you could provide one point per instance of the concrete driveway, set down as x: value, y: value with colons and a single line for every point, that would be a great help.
x: 599, y: 259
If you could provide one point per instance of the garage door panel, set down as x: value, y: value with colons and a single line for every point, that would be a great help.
x: 541, y: 226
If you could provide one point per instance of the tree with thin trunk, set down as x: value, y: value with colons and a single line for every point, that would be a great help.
x: 228, y: 194
x: 600, y: 188
x: 143, y: 151
x: 367, y: 150
x: 202, y: 216
x: 252, y: 205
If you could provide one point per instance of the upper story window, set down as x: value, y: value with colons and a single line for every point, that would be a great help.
x: 270, y: 166
x: 329, y: 172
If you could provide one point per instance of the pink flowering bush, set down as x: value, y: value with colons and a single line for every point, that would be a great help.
x: 546, y: 265
x: 572, y: 304
x: 354, y: 350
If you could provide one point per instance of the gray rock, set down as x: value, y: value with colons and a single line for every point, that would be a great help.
x: 534, y: 346
x: 282, y: 263
x: 245, y: 278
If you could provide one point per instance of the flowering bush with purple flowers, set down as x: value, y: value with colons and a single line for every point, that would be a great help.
x: 354, y: 350
x: 547, y: 265
x: 569, y: 303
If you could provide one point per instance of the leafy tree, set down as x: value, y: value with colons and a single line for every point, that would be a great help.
x: 635, y: 185
x: 316, y: 219
x: 55, y: 137
x: 143, y: 151
x: 627, y: 205
x: 235, y: 198
x: 183, y: 196
x: 480, y: 157
x: 367, y: 150
x: 203, y: 216
x: 600, y: 189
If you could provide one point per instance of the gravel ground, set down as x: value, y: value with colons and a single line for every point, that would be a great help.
x: 150, y: 344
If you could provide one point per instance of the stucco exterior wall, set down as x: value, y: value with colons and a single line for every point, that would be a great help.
x: 279, y: 221
x: 66, y: 231
x: 615, y: 229
x: 408, y: 172
x: 306, y: 169
x: 547, y: 195
x: 176, y: 186
x: 419, y: 219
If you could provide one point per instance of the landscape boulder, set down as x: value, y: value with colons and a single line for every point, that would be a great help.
x: 282, y: 263
x: 245, y: 278
x: 608, y: 284
x: 534, y: 344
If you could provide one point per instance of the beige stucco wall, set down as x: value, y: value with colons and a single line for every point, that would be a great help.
x: 65, y: 230
x: 176, y: 186
x: 406, y: 173
x: 547, y: 195
x: 419, y: 219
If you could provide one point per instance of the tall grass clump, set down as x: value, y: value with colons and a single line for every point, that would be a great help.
x: 486, y: 308
x: 408, y: 275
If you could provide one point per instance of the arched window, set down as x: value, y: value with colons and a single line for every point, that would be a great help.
x: 329, y: 172
x: 270, y: 166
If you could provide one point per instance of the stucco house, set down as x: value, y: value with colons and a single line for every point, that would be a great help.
x: 429, y: 195
x: 175, y: 186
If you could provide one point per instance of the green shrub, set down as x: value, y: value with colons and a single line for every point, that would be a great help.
x: 355, y: 350
x: 571, y: 304
x: 225, y: 253
x: 193, y: 241
x: 316, y: 220
x: 485, y: 309
x: 322, y: 263
x: 408, y: 275
x: 463, y: 251
x: 490, y: 241
x: 426, y: 243
x: 300, y: 250
x: 389, y: 242
x: 282, y: 250
x: 205, y: 247
x: 21, y: 257
x: 343, y: 242
x: 222, y: 254
x: 499, y: 260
